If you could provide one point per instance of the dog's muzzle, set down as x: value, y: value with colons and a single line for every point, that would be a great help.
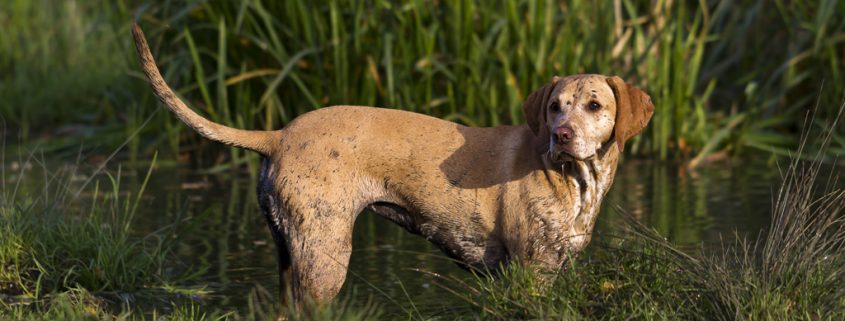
x: 563, y: 135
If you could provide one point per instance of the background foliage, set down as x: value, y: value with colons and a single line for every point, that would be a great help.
x: 726, y: 76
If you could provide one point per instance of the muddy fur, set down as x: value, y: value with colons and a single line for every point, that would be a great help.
x: 484, y: 196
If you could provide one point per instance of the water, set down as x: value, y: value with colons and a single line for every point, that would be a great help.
x: 232, y: 250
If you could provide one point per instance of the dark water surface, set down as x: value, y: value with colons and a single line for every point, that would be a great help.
x: 232, y: 248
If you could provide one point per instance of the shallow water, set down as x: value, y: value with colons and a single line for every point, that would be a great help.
x: 231, y: 248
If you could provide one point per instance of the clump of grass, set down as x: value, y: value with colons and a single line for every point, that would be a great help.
x: 74, y: 304
x: 264, y: 306
x: 53, y: 244
x: 795, y: 270
x: 80, y: 304
x: 628, y: 278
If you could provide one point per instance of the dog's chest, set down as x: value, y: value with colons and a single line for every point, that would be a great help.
x: 560, y: 221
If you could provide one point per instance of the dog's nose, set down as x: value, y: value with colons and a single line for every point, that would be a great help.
x: 564, y: 134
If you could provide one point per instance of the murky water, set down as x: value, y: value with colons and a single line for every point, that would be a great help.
x: 232, y: 249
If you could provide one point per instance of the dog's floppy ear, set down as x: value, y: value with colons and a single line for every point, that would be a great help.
x: 633, y: 110
x: 534, y: 110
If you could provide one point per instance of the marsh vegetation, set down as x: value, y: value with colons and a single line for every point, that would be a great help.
x: 726, y: 76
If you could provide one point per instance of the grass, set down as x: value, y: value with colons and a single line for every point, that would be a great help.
x: 79, y: 304
x: 625, y: 280
x: 42, y: 251
x: 49, y: 72
x: 717, y: 84
x: 66, y: 257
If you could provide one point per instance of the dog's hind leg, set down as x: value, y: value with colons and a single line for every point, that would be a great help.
x: 269, y: 202
x: 284, y: 261
x: 319, y: 240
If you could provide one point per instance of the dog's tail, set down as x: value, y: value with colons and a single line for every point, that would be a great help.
x: 256, y: 140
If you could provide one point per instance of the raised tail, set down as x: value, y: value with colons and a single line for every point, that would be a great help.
x: 256, y: 140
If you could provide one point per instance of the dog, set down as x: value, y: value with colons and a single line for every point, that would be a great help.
x: 485, y: 196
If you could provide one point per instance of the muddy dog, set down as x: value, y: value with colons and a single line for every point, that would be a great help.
x: 484, y: 196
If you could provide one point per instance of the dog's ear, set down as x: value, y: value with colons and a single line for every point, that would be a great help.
x: 633, y: 110
x: 534, y: 110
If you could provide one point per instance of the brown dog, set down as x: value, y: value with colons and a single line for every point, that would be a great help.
x: 485, y: 196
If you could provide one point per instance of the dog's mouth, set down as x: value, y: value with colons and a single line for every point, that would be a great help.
x: 567, y: 157
x: 562, y: 155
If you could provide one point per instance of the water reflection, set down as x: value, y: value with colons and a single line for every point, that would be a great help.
x: 693, y: 208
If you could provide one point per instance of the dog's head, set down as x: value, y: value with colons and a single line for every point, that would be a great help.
x: 573, y: 117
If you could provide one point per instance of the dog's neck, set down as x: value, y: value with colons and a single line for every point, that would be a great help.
x: 593, y: 173
x: 590, y: 180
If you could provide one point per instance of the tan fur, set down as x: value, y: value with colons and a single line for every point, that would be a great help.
x: 485, y: 196
x: 259, y: 141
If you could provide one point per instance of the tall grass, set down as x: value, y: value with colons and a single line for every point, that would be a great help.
x: 795, y: 270
x: 719, y: 80
x: 467, y: 62
x: 59, y: 62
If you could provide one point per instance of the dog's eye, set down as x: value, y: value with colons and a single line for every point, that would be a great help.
x: 594, y: 106
x: 555, y: 107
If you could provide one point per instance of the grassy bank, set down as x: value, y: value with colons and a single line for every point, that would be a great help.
x: 725, y: 76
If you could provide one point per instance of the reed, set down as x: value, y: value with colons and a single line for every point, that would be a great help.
x: 725, y: 76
